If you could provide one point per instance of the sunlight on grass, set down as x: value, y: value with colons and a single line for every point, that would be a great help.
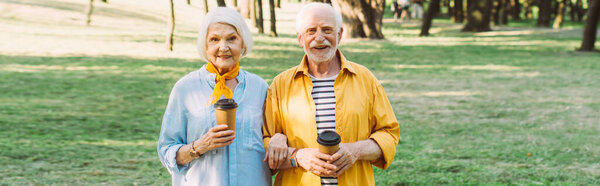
x: 39, y: 68
x: 433, y: 94
x: 117, y: 143
x: 460, y: 67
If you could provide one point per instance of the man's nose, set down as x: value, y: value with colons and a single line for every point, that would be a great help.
x: 320, y: 37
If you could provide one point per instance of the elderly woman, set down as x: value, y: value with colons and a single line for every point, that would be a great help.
x: 192, y: 146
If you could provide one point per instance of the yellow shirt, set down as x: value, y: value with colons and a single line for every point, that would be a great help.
x: 362, y: 111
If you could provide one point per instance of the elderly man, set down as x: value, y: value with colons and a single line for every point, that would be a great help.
x: 327, y: 92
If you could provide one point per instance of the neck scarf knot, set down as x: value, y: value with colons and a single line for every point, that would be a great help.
x: 220, y: 87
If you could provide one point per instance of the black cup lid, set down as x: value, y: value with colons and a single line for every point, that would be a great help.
x: 225, y: 104
x: 329, y: 138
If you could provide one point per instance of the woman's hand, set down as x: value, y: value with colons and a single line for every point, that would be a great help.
x: 277, y: 152
x: 216, y: 137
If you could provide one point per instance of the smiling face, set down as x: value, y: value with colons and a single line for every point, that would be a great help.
x: 318, y: 35
x: 223, y: 46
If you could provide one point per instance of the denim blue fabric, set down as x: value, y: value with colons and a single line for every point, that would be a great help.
x: 189, y: 115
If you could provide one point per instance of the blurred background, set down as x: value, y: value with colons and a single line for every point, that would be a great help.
x: 486, y: 91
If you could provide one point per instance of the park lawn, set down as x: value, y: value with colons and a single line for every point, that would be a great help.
x: 513, y: 106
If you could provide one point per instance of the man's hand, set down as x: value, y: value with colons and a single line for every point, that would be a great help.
x: 313, y: 161
x: 277, y: 152
x: 343, y: 159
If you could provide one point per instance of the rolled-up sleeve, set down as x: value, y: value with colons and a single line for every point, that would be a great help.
x: 271, y: 116
x: 173, y: 132
x: 386, y: 129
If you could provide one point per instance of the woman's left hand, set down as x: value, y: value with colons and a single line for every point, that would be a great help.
x: 277, y: 152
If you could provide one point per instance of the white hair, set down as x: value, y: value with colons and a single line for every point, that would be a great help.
x: 227, y: 16
x: 300, y: 17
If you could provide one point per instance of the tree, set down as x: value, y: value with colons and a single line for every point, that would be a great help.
x: 528, y: 9
x: 478, y: 16
x: 506, y: 6
x: 89, y: 11
x: 544, y: 14
x: 205, y: 6
x: 458, y: 13
x: 272, y: 16
x: 188, y: 2
x: 171, y: 27
x: 361, y: 18
x: 591, y: 26
x: 559, y: 14
x: 579, y: 10
x: 431, y: 11
x: 258, y: 15
x: 516, y: 9
x: 221, y: 3
x: 245, y: 8
x: 497, y: 7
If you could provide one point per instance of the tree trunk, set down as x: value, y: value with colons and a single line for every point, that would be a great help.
x: 205, y: 7
x: 278, y: 3
x: 505, y: 12
x: 459, y: 12
x: 560, y: 14
x: 528, y: 9
x: 235, y: 4
x: 580, y: 12
x: 496, y: 11
x: 252, y: 11
x: 272, y: 16
x: 544, y: 14
x: 516, y: 9
x: 171, y: 28
x: 188, y: 2
x: 591, y: 26
x: 571, y: 9
x: 450, y: 8
x: 221, y: 3
x: 245, y: 8
x: 478, y: 16
x: 89, y: 11
x: 429, y: 17
x: 361, y: 18
x: 258, y: 16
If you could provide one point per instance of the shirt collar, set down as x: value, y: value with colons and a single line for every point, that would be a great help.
x: 345, y: 65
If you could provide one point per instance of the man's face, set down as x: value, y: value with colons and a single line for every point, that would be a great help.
x: 318, y: 36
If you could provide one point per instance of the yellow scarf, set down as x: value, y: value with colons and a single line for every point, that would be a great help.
x: 220, y: 87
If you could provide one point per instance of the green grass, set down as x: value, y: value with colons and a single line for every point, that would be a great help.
x: 470, y: 106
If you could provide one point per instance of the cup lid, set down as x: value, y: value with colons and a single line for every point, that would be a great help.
x: 329, y: 138
x: 225, y: 104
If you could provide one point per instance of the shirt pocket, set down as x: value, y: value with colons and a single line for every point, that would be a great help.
x: 200, y: 121
x: 252, y: 127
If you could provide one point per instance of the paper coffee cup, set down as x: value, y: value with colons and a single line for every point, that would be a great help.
x: 225, y: 111
x: 329, y: 142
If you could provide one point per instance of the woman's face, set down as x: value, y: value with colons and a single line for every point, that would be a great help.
x: 223, y: 46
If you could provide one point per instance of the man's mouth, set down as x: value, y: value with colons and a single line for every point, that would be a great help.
x: 321, y: 47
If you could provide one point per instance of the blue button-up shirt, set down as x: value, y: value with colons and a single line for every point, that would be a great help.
x: 189, y: 115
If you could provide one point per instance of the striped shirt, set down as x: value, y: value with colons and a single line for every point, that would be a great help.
x: 324, y: 98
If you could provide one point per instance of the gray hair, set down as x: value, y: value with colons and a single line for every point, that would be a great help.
x: 227, y: 16
x: 300, y: 16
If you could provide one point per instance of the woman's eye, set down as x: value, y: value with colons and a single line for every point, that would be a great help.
x: 232, y: 38
x: 213, y: 39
